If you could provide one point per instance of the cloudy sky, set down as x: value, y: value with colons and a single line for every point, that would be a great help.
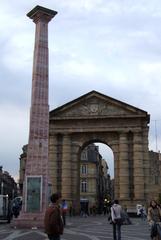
x: 111, y: 46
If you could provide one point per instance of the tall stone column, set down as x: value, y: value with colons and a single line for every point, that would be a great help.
x: 138, y: 166
x: 66, y: 169
x: 124, y: 167
x: 35, y: 188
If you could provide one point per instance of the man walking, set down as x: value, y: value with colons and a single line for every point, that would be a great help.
x: 53, y: 219
x: 116, y: 220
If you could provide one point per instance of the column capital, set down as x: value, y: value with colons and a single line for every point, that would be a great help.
x: 40, y: 13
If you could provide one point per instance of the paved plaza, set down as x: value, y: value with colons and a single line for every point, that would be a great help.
x: 90, y: 228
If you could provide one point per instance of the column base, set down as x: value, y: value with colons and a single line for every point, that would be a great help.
x: 29, y: 220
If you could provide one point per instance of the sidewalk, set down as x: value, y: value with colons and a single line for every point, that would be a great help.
x: 80, y: 228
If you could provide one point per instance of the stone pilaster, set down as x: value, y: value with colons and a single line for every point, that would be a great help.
x: 146, y: 162
x: 75, y: 177
x: 53, y: 163
x: 66, y: 168
x: 75, y: 170
x: 123, y: 167
x: 115, y: 148
x: 138, y: 166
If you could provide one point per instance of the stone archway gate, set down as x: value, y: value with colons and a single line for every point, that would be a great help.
x: 97, y: 117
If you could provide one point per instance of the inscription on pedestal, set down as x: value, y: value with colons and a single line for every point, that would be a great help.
x: 34, y: 193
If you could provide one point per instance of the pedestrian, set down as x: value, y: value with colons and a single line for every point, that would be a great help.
x: 105, y: 207
x: 127, y: 220
x: 94, y: 210
x: 64, y: 208
x: 109, y: 212
x: 53, y: 220
x: 154, y: 216
x: 143, y: 213
x: 116, y: 220
x: 71, y: 209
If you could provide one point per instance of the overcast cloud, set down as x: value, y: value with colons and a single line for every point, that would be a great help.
x: 111, y: 46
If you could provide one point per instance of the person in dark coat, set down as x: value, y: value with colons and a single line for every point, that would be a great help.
x: 53, y: 220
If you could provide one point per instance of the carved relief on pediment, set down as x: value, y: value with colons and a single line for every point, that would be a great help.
x: 94, y: 108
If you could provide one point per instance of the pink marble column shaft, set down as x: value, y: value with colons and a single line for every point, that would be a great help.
x: 37, y: 154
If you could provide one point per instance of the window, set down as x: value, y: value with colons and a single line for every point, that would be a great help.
x: 84, y: 185
x: 83, y: 169
x: 84, y: 155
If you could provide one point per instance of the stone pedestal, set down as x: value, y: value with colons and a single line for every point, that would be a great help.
x: 35, y: 188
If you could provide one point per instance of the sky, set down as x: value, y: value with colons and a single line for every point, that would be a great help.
x: 111, y: 46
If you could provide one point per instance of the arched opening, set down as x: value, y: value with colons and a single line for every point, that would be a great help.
x: 107, y: 154
x: 96, y: 177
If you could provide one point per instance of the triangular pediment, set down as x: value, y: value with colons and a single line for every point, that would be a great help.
x: 95, y: 104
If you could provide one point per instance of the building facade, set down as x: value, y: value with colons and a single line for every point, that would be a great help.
x: 8, y: 186
x: 93, y: 177
x: 155, y: 174
x: 95, y: 117
x: 108, y: 191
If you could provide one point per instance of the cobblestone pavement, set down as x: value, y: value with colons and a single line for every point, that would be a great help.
x: 90, y: 228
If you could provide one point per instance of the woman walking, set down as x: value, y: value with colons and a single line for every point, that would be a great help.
x: 154, y: 216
